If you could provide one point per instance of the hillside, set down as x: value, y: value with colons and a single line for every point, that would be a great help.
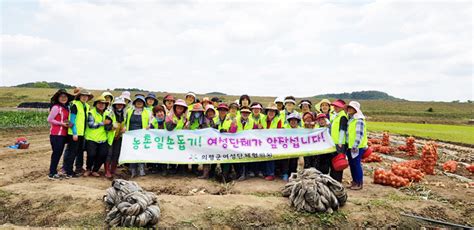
x: 44, y: 84
x: 360, y: 95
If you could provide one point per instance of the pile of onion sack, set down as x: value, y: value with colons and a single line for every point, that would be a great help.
x: 311, y: 191
x: 127, y: 205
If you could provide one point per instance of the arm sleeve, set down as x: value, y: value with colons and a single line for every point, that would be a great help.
x: 73, y: 112
x: 91, y: 122
x: 359, y: 133
x: 54, y: 112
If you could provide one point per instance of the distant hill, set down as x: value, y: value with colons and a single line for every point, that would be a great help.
x: 44, y: 84
x: 216, y: 93
x: 130, y: 89
x: 360, y: 95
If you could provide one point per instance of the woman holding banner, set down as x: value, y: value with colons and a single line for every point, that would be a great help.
x: 176, y: 120
x: 138, y: 117
x: 272, y: 121
x: 243, y: 122
x: 290, y: 165
x: 158, y: 122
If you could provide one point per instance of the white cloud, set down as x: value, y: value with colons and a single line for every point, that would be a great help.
x: 413, y: 50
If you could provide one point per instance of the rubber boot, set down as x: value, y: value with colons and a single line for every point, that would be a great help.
x: 107, y: 170
x: 141, y: 169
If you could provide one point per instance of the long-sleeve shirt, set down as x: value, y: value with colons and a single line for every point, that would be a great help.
x: 94, y: 125
x: 52, y: 114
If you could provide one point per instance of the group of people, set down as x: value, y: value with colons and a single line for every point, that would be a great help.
x: 81, y: 122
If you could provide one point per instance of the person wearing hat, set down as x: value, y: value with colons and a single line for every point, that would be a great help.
x: 257, y: 115
x: 324, y: 106
x: 279, y: 102
x: 109, y: 98
x: 309, y: 123
x: 338, y: 129
x: 209, y: 115
x: 289, y: 103
x: 324, y: 161
x: 176, y: 120
x: 356, y: 140
x: 258, y: 118
x: 114, y: 136
x: 205, y: 101
x: 215, y: 101
x: 243, y: 122
x: 158, y: 122
x: 168, y: 102
x: 151, y: 101
x: 58, y: 118
x: 138, y: 117
x: 78, y: 112
x: 196, y: 121
x: 322, y: 121
x: 272, y: 121
x: 289, y: 166
x: 190, y: 98
x: 126, y: 96
x: 305, y: 106
x: 96, y: 136
x: 220, y: 121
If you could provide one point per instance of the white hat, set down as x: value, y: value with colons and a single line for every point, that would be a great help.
x: 208, y: 107
x: 356, y: 106
x: 294, y: 115
x: 279, y: 99
x: 126, y: 95
x: 119, y: 101
x: 191, y: 94
x: 290, y: 101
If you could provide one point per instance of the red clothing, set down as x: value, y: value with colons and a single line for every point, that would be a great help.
x: 269, y: 122
x: 57, y: 116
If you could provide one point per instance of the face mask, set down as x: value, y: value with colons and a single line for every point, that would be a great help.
x: 197, y: 115
x: 160, y: 119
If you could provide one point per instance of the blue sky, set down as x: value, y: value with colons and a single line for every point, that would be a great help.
x: 417, y: 50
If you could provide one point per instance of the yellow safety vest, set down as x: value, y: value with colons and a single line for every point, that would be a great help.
x: 81, y: 117
x: 351, y: 132
x: 98, y: 134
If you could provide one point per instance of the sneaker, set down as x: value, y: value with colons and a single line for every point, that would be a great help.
x: 260, y: 174
x: 270, y: 178
x: 95, y: 174
x: 251, y: 174
x: 71, y: 176
x: 242, y: 178
x: 285, y: 177
x: 54, y: 177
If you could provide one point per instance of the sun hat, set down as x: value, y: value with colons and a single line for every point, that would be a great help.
x: 55, y: 97
x: 82, y: 91
x: 223, y: 106
x: 339, y: 103
x: 294, y: 116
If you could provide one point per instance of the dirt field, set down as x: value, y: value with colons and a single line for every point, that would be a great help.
x: 28, y: 198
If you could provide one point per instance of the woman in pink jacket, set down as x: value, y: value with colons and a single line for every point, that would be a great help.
x: 59, y: 120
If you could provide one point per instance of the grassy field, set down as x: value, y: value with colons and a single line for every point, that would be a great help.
x: 451, y: 133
